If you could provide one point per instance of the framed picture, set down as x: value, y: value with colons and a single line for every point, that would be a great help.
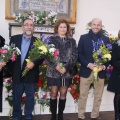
x: 64, y: 8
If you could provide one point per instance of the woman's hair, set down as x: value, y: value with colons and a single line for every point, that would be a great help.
x: 119, y: 34
x: 59, y: 21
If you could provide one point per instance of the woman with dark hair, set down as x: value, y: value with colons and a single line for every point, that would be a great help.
x: 114, y: 82
x: 59, y: 77
x: 2, y: 64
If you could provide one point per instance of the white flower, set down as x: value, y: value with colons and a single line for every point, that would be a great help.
x: 20, y: 20
x: 36, y: 18
x: 118, y: 42
x: 55, y: 19
x: 6, y: 47
x: 32, y: 12
x: 14, y: 15
x: 51, y: 45
x: 18, y: 51
x: 19, y: 15
x: 23, y: 95
x: 51, y: 50
x: 52, y: 14
x: 10, y: 93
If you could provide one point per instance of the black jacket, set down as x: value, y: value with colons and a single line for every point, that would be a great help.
x: 85, y: 53
x: 2, y: 42
x: 114, y: 81
x: 33, y: 74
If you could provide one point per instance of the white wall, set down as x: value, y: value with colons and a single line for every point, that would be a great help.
x: 107, y: 10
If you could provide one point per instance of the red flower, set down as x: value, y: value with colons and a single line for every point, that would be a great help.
x: 39, y: 83
x: 75, y: 96
x: 44, y: 96
x: 56, y: 53
x: 35, y: 94
x: 24, y: 98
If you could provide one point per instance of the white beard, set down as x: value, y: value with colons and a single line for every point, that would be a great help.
x: 29, y: 33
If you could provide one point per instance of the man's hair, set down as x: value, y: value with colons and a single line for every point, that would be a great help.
x: 27, y: 19
x: 96, y: 19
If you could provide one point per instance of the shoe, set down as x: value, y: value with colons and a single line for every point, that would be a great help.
x: 80, y: 119
x: 93, y: 118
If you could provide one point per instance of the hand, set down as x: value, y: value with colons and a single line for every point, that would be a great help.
x: 2, y: 64
x: 30, y: 66
x: 63, y: 70
x: 91, y: 66
x: 101, y: 67
x: 58, y: 68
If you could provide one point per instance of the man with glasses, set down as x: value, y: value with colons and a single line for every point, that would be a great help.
x: 24, y: 84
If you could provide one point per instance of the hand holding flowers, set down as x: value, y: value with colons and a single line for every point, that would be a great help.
x: 40, y: 50
x: 101, y: 56
x: 8, y: 53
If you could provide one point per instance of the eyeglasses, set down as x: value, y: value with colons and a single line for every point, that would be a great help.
x: 27, y: 25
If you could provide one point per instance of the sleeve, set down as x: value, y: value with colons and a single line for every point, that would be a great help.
x: 107, y: 64
x: 2, y: 41
x: 74, y: 55
x: 38, y: 62
x: 115, y: 61
x: 81, y: 57
x: 11, y: 40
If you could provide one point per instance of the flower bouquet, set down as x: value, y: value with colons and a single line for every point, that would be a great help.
x: 75, y: 87
x: 101, y: 56
x: 40, y: 50
x: 113, y: 39
x: 9, y: 52
x: 42, y: 18
x: 52, y: 18
x: 108, y: 73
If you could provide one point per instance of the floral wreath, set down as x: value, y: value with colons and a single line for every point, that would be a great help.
x: 41, y: 18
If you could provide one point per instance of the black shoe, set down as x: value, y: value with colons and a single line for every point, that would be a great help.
x: 61, y: 108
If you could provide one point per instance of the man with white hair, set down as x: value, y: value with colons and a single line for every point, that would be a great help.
x: 27, y: 83
x: 86, y: 46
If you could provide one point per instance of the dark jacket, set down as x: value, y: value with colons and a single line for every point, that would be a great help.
x: 114, y: 81
x: 33, y: 74
x: 67, y: 56
x: 85, y: 52
x: 2, y: 42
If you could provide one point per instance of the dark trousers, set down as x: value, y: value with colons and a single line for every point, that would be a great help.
x: 1, y: 89
x: 18, y: 89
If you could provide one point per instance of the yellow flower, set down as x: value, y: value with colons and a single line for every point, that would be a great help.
x: 111, y: 37
x: 43, y: 48
x: 28, y: 61
x: 107, y: 56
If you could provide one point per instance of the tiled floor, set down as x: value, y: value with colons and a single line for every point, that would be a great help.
x: 103, y: 116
